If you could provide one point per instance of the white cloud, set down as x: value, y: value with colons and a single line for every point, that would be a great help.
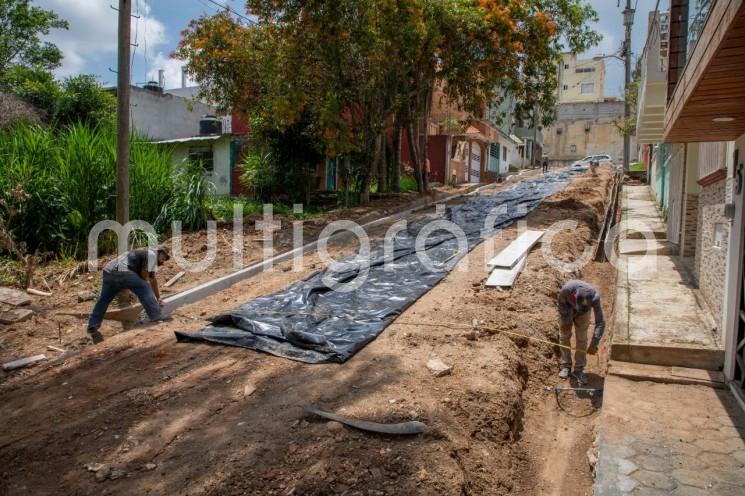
x: 93, y: 30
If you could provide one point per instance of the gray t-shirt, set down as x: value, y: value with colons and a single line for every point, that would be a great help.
x: 576, y: 298
x: 138, y: 261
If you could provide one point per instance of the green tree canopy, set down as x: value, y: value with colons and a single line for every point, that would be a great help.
x: 356, y: 64
x: 21, y: 28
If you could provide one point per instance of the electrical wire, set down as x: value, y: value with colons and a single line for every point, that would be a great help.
x: 134, y: 45
x: 231, y: 11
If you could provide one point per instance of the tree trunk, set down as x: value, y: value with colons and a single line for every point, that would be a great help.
x: 365, y: 189
x: 396, y: 171
x: 373, y: 173
x: 383, y: 163
x: 347, y: 178
x: 414, y: 148
x: 425, y: 152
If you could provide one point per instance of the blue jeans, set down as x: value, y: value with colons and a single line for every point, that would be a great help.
x: 117, y: 281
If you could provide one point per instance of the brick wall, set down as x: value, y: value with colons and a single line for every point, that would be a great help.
x: 690, y: 226
x: 711, y: 262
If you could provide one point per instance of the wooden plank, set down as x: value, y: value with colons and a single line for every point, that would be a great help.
x: 174, y: 279
x: 508, y: 257
x: 505, y: 278
x: 37, y: 292
x: 22, y: 362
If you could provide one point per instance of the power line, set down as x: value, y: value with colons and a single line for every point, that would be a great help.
x: 137, y: 31
x: 230, y: 10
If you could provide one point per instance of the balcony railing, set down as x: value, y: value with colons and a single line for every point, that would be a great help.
x: 697, y: 14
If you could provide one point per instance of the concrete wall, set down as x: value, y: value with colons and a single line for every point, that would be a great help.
x: 571, y: 81
x: 568, y: 139
x: 220, y: 176
x: 710, y: 260
x: 165, y: 116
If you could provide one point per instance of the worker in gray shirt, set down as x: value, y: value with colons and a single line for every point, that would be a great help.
x: 576, y: 299
x: 135, y: 271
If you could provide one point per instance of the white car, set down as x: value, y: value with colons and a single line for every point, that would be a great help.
x: 584, y: 163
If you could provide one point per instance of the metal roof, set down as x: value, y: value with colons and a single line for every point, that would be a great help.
x: 188, y: 140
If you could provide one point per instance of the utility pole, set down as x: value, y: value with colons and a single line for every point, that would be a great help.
x: 628, y: 21
x: 122, y: 114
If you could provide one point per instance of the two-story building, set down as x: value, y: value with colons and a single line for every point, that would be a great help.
x: 586, y: 121
x: 691, y: 122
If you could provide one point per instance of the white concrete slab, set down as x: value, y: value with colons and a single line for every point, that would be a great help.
x: 516, y: 250
x: 501, y: 277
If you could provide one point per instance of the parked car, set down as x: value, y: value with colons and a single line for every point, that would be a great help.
x: 584, y: 163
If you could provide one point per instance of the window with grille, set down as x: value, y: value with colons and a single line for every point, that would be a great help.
x: 493, y: 164
x: 204, y: 156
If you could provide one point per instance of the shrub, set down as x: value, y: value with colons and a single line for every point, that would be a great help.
x: 69, y: 175
x: 187, y: 203
x: 259, y: 176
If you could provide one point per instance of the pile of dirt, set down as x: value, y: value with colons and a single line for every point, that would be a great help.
x: 166, y: 418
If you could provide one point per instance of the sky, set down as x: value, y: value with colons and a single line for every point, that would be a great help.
x: 90, y: 45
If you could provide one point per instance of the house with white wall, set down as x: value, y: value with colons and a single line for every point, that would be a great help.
x: 190, y: 129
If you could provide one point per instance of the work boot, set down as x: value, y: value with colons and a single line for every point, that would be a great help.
x: 579, y: 374
x: 564, y: 373
x: 95, y: 336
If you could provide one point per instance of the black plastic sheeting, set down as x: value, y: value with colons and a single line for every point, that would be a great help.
x: 310, y: 322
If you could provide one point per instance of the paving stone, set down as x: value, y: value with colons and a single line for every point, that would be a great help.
x: 722, y: 447
x: 717, y: 460
x: 695, y: 478
x: 732, y: 431
x: 626, y: 485
x: 624, y: 451
x: 734, y: 477
x: 704, y: 422
x: 654, y: 463
x: 649, y: 491
x: 684, y: 448
x: 732, y: 421
x: 689, y: 462
x: 687, y: 436
x: 714, y: 434
x: 739, y: 456
x: 647, y: 448
x: 626, y: 467
x: 657, y: 480
x: 690, y: 449
x: 727, y: 490
x: 691, y: 491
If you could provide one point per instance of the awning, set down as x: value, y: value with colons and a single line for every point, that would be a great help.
x: 517, y: 140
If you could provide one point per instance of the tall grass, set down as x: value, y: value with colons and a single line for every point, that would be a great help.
x: 187, y: 203
x: 69, y: 174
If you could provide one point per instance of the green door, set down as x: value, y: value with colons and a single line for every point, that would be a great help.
x: 331, y: 174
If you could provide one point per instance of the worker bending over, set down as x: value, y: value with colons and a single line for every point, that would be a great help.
x: 576, y: 299
x: 135, y: 271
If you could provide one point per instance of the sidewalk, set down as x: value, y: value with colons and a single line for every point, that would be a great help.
x: 669, y: 425
x: 659, y: 317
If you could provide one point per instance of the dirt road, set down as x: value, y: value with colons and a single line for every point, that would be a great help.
x: 167, y: 418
